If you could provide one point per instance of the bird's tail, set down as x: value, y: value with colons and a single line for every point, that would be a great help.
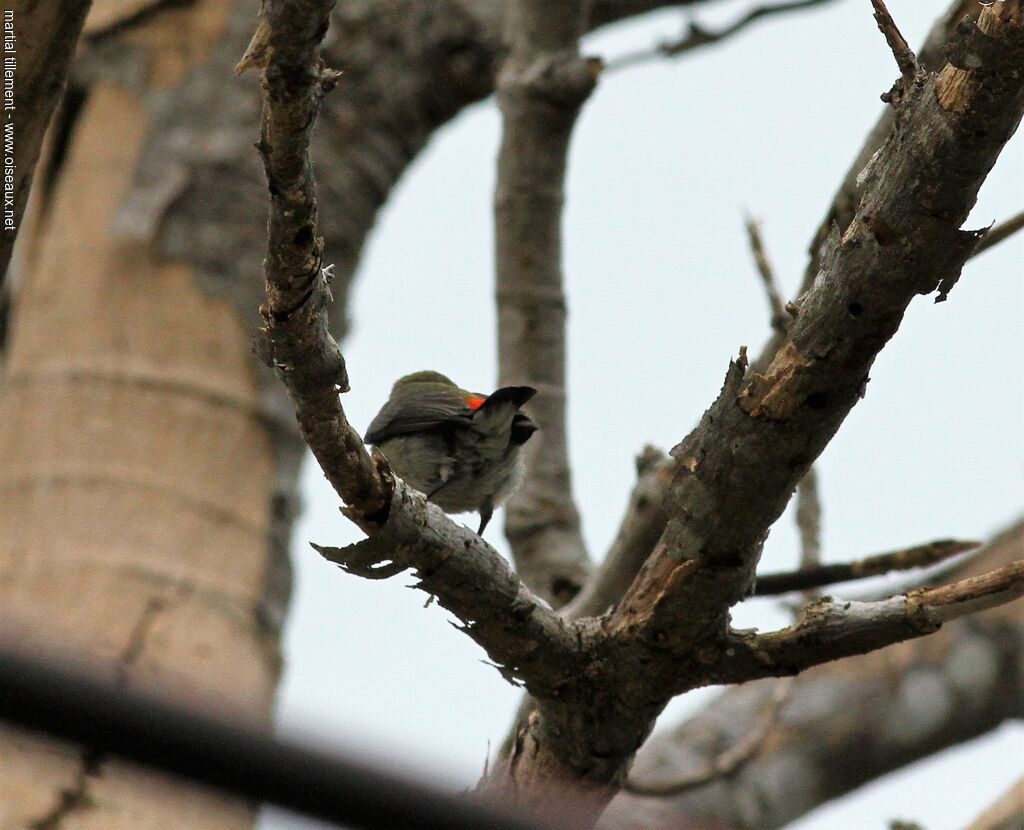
x: 493, y: 421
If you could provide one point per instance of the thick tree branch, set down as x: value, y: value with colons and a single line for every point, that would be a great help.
x: 760, y: 437
x: 528, y: 642
x: 830, y: 629
x: 526, y: 639
x: 844, y: 201
x: 541, y: 87
x: 650, y: 524
x: 919, y: 556
x: 846, y: 723
x: 46, y: 37
x: 737, y: 470
x: 295, y: 341
x: 730, y: 760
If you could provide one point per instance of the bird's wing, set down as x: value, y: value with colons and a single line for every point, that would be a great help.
x: 431, y: 410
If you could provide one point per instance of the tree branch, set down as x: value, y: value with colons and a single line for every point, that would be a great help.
x: 729, y: 761
x: 651, y: 523
x: 846, y: 723
x: 295, y: 340
x: 528, y: 642
x: 764, y: 431
x: 541, y: 88
x: 830, y: 629
x: 919, y: 556
x: 1000, y: 232
x: 638, y: 533
x: 696, y: 36
x: 906, y: 60
x: 777, y: 308
x: 808, y: 503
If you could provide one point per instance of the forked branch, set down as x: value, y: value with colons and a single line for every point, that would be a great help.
x: 831, y: 629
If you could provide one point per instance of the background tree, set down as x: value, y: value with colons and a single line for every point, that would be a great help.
x: 181, y: 206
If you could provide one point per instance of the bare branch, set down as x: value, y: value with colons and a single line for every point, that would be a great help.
x: 468, y: 577
x: 528, y: 642
x: 906, y: 60
x: 1000, y: 232
x: 919, y: 556
x: 766, y: 429
x: 729, y: 761
x: 541, y: 88
x: 779, y: 318
x: 808, y: 520
x: 696, y: 36
x: 847, y: 722
x: 847, y: 196
x: 831, y: 629
x: 295, y: 340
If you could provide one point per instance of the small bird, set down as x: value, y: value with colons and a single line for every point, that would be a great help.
x: 458, y: 447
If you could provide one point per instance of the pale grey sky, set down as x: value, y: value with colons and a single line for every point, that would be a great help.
x: 661, y: 294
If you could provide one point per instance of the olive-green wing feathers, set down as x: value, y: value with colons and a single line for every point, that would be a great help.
x: 429, y: 410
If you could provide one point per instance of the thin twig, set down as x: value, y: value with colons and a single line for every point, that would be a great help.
x: 919, y: 556
x: 729, y: 761
x: 906, y: 60
x: 697, y: 36
x: 808, y: 504
x: 1000, y: 232
x: 779, y: 319
x: 808, y: 520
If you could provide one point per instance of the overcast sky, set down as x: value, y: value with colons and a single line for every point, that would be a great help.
x: 662, y: 292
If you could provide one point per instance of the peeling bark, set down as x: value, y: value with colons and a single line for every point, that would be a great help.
x: 845, y: 723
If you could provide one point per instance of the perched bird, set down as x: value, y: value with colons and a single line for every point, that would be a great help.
x: 458, y: 447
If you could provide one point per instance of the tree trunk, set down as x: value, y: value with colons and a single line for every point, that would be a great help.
x: 137, y: 475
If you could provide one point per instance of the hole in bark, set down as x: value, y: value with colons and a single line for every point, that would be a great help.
x: 817, y: 400
x: 303, y: 236
x: 855, y: 309
x: 563, y: 589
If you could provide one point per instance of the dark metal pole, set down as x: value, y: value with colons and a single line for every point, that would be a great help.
x: 230, y: 758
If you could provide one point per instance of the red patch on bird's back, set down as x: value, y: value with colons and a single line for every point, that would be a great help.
x: 475, y: 402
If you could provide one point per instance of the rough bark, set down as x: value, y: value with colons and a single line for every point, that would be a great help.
x: 847, y: 196
x: 740, y: 466
x: 742, y: 462
x: 645, y: 520
x: 136, y: 475
x: 44, y: 36
x: 844, y: 724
